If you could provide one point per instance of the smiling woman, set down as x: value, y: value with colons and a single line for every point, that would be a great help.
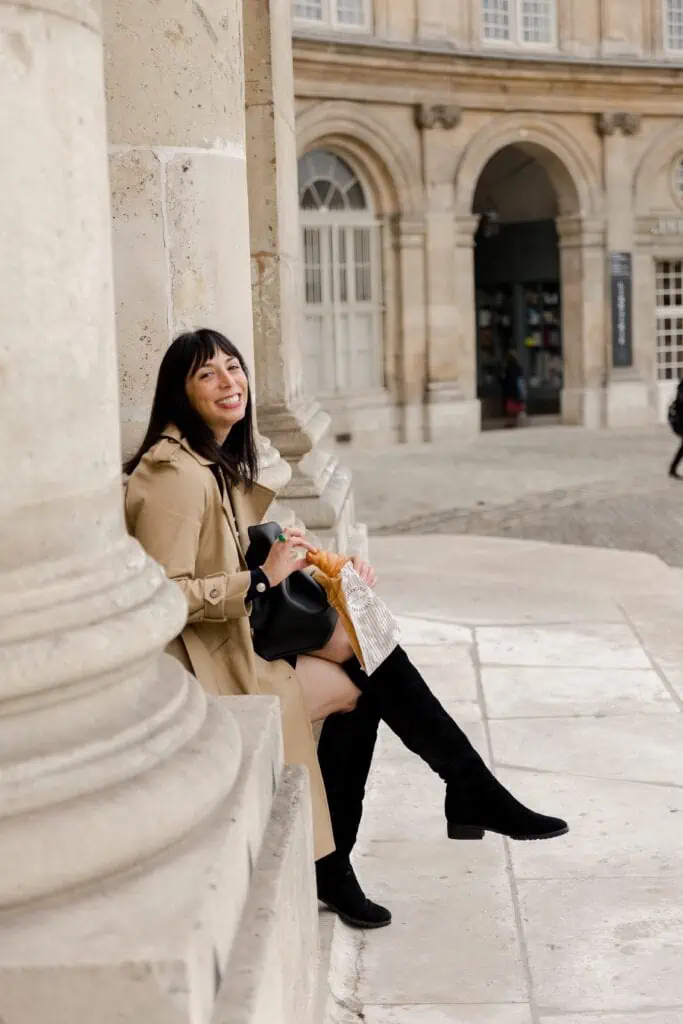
x: 190, y: 500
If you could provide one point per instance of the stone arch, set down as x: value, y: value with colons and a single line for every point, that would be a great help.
x: 385, y: 166
x: 568, y: 166
x: 661, y: 151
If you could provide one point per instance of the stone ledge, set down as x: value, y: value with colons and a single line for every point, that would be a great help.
x: 271, y: 975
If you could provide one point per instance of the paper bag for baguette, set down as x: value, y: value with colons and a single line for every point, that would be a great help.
x: 370, y: 626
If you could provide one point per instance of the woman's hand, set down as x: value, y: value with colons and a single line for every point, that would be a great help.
x: 283, y: 559
x: 365, y: 571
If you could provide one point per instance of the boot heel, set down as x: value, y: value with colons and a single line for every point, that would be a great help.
x: 464, y: 831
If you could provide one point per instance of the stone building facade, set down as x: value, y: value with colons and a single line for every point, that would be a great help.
x: 482, y: 175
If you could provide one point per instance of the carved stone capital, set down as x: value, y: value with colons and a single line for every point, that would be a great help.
x: 429, y: 116
x: 614, y: 121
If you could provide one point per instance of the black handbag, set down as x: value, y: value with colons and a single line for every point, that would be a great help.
x: 292, y: 618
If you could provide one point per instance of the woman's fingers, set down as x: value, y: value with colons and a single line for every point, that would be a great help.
x: 365, y: 571
x: 298, y: 539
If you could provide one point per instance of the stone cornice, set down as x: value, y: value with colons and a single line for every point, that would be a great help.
x: 378, y: 72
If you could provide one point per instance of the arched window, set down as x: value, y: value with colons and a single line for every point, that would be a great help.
x: 341, y: 286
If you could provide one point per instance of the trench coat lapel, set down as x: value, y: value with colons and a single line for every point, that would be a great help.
x: 250, y: 506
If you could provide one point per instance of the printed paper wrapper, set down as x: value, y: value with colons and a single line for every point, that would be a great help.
x: 376, y: 628
x: 372, y: 629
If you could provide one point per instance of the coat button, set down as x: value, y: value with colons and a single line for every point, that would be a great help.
x: 261, y: 588
x: 214, y: 593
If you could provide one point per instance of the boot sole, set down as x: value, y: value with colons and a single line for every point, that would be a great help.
x: 469, y: 832
x: 354, y: 922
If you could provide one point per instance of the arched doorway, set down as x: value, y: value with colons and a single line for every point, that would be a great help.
x: 341, y: 279
x: 518, y: 281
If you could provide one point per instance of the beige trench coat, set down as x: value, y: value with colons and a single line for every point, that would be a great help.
x: 174, y: 508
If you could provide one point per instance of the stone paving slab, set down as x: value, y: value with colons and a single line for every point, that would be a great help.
x: 579, y: 715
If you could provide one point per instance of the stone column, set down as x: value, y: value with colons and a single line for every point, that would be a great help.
x: 320, y: 489
x: 627, y: 397
x: 582, y: 272
x: 411, y: 360
x: 465, y: 340
x: 127, y: 842
x: 450, y: 414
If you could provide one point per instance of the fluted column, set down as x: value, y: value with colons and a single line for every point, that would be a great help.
x: 320, y: 490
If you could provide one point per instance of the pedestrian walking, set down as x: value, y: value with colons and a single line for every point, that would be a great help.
x: 676, y: 423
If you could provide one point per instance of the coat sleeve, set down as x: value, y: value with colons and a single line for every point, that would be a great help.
x: 168, y: 521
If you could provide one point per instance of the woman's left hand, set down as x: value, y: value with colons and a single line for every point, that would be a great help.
x: 365, y: 571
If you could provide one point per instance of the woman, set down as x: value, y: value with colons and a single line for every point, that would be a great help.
x: 514, y: 390
x: 191, y: 497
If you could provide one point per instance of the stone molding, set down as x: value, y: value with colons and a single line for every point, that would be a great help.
x: 581, y: 232
x: 446, y: 115
x: 354, y: 127
x: 570, y: 167
x: 613, y: 122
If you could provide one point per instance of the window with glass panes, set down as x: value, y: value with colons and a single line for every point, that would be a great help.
x: 674, y: 24
x: 341, y: 278
x: 669, y: 299
x: 525, y: 22
x: 338, y: 13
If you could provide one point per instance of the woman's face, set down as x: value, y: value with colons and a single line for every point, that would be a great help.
x: 218, y: 391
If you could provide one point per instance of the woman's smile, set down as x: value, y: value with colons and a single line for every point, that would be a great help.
x: 218, y: 391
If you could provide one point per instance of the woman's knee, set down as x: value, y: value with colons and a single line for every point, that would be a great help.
x: 327, y: 688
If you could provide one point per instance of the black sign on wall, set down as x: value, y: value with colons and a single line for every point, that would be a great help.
x: 622, y: 294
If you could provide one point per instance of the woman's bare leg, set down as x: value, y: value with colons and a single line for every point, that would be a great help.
x: 326, y: 686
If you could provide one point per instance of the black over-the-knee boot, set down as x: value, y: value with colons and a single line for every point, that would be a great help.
x: 345, y: 750
x: 475, y: 801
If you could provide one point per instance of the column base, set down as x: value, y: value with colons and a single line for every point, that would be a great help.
x: 319, y: 492
x: 451, y: 416
x: 628, y: 403
x: 367, y: 419
x: 225, y: 919
x: 583, y: 407
x: 625, y: 402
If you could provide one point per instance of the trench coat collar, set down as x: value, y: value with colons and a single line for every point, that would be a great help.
x: 249, y: 504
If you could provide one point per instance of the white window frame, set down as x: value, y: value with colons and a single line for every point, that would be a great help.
x: 330, y: 18
x: 516, y: 39
x: 674, y: 51
x: 668, y: 313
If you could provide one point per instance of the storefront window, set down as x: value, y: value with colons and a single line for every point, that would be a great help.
x: 669, y: 297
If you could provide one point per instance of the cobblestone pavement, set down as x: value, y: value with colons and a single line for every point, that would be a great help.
x: 562, y: 485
